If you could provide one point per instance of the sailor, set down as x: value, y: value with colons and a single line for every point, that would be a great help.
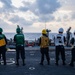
x: 59, y: 43
x: 3, y: 43
x: 72, y: 43
x: 44, y: 47
x: 19, y: 40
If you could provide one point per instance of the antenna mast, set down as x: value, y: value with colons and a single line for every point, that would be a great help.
x: 45, y: 24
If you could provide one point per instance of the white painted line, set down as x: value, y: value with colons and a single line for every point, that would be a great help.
x: 31, y: 68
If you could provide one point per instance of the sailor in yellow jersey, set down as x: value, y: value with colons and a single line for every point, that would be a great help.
x: 3, y: 43
x: 44, y: 47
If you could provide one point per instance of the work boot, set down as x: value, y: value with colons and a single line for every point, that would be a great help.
x: 41, y: 63
x: 4, y: 62
x: 71, y: 64
x: 56, y: 63
x: 23, y: 62
x: 64, y: 63
x: 17, y: 63
x: 48, y: 62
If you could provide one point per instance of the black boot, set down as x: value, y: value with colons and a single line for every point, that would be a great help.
x: 23, y: 62
x: 56, y: 63
x: 17, y: 62
x: 41, y: 63
x: 71, y: 64
x: 48, y: 62
x: 64, y: 63
x: 4, y: 62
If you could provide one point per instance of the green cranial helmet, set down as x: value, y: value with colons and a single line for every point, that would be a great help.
x: 18, y: 30
x: 1, y: 30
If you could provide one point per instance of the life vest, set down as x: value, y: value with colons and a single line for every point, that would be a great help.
x: 59, y: 40
x: 44, y: 42
x: 2, y: 40
x: 19, y: 39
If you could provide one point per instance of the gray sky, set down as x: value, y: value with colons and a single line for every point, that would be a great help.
x: 33, y: 15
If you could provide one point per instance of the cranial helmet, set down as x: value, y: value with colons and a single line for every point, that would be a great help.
x: 61, y: 30
x: 1, y: 30
x: 44, y: 31
x: 18, y: 30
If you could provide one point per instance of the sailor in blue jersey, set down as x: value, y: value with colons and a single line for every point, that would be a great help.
x: 59, y: 43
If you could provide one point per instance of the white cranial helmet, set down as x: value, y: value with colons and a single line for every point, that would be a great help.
x: 61, y: 30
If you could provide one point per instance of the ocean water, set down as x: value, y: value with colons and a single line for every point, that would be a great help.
x: 29, y: 36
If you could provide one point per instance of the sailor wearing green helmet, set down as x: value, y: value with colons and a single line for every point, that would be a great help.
x: 19, y: 40
x: 3, y: 43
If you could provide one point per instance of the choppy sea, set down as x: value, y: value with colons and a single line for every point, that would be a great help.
x: 29, y: 36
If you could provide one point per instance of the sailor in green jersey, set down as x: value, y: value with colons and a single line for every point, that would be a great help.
x: 19, y: 40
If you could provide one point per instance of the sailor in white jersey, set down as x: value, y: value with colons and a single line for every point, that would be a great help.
x: 72, y: 43
x: 59, y: 44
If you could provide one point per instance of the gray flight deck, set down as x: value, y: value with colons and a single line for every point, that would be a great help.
x: 32, y: 66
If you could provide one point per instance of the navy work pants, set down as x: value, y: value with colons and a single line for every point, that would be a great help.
x: 44, y: 52
x: 60, y: 51
x: 3, y: 52
x: 20, y: 51
x: 73, y: 54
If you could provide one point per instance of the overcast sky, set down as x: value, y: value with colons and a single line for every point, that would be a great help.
x: 35, y: 15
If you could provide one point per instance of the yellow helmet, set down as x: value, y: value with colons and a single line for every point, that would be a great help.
x: 44, y: 31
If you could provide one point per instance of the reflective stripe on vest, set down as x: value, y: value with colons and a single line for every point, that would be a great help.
x: 2, y: 42
x: 44, y: 42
